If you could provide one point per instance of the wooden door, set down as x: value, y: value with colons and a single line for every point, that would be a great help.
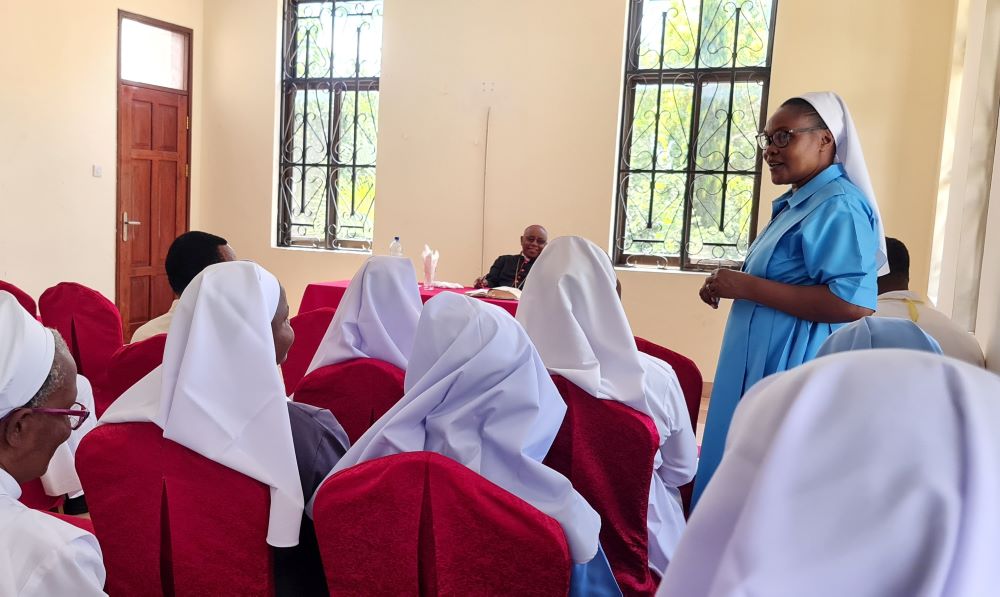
x: 154, y: 103
x: 152, y: 197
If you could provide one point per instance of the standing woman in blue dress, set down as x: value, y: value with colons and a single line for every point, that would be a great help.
x: 813, y: 268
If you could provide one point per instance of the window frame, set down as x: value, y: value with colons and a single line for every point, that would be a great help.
x: 337, y: 87
x: 697, y: 77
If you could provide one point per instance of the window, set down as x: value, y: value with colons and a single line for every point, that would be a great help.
x: 331, y: 62
x: 695, y: 97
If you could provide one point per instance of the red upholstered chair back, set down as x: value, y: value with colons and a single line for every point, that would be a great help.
x: 357, y: 392
x: 690, y: 379
x: 422, y: 524
x: 120, y: 467
x: 171, y: 521
x: 33, y: 496
x: 217, y: 527
x: 310, y: 327
x: 606, y: 450
x: 89, y: 322
x: 22, y: 297
x: 128, y: 365
x: 80, y: 523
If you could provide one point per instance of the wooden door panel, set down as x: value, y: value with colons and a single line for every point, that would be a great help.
x: 138, y: 210
x: 153, y: 140
x: 165, y: 128
x: 142, y: 125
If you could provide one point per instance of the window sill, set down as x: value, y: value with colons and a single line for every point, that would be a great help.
x: 661, y: 271
x: 325, y: 251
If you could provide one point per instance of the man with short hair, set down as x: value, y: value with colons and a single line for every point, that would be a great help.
x: 190, y: 253
x: 895, y: 299
x: 512, y: 270
x: 39, y: 554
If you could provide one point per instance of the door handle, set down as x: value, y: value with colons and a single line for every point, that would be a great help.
x: 126, y: 223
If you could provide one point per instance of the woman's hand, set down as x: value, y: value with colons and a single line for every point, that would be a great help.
x: 724, y: 283
x: 480, y: 283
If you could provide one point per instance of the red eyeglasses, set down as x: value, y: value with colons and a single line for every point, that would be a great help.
x: 76, y: 415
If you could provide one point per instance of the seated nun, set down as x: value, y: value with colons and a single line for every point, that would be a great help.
x: 477, y: 393
x: 871, y: 473
x: 39, y: 554
x: 512, y: 270
x: 228, y: 334
x: 572, y: 313
x: 61, y: 477
x: 879, y: 332
x: 376, y: 318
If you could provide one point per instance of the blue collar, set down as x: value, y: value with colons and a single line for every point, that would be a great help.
x: 799, y: 196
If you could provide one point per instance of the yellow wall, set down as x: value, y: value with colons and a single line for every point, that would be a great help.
x: 556, y: 70
x: 57, y: 119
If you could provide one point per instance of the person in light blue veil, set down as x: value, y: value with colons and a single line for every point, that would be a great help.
x: 813, y: 268
x: 879, y: 332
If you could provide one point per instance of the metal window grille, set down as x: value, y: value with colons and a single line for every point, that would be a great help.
x: 695, y: 96
x: 331, y: 63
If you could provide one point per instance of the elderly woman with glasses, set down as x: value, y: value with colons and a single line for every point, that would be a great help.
x: 813, y: 268
x: 38, y: 412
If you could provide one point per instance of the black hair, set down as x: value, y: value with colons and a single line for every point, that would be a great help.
x: 806, y: 109
x: 190, y: 253
x: 899, y: 258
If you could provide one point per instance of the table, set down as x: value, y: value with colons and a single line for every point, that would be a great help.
x: 328, y: 294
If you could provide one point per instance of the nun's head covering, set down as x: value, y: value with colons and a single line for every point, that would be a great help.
x: 219, y: 392
x: 477, y: 393
x: 834, y: 112
x: 573, y: 315
x: 27, y: 351
x: 376, y: 318
x: 862, y: 473
x: 879, y: 332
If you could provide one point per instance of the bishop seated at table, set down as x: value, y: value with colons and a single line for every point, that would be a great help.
x: 511, y: 270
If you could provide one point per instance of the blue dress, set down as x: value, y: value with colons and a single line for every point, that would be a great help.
x: 823, y: 233
x: 593, y: 579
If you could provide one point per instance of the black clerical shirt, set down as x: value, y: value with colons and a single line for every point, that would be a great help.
x: 509, y: 270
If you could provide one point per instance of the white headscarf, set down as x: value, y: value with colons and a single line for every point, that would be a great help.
x: 861, y: 473
x: 573, y: 315
x: 376, y: 318
x: 219, y: 392
x: 61, y: 477
x: 477, y: 393
x: 834, y: 112
x: 27, y: 351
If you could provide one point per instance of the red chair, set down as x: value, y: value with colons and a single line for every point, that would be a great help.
x: 78, y: 522
x: 22, y: 297
x: 357, y: 392
x: 33, y: 496
x: 422, y: 524
x: 120, y: 467
x: 690, y: 379
x: 89, y: 323
x: 310, y: 327
x: 606, y: 450
x: 171, y: 521
x: 128, y: 365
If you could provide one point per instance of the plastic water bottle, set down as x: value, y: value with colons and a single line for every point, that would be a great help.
x: 395, y: 247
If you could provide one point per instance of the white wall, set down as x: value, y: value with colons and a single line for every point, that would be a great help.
x: 58, y: 117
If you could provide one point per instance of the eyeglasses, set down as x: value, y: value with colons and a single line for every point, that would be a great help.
x: 76, y: 415
x: 784, y: 137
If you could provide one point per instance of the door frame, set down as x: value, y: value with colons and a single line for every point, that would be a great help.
x: 119, y: 154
